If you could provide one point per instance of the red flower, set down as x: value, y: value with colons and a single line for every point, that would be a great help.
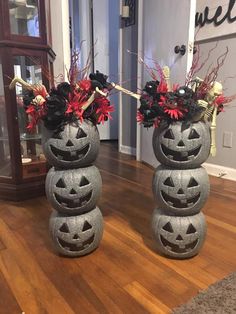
x: 30, y: 109
x: 104, y: 109
x: 174, y: 113
x: 85, y: 85
x: 75, y: 104
x: 162, y: 87
x: 35, y: 113
x: 140, y: 117
x: 220, y: 100
x: 162, y: 101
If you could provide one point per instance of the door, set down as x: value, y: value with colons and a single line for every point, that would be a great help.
x: 166, y: 24
x: 105, y: 38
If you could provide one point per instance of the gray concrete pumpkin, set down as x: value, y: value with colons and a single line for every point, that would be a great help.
x: 178, y: 237
x: 76, y: 235
x: 182, y: 145
x: 75, y: 146
x: 180, y: 192
x: 73, y: 191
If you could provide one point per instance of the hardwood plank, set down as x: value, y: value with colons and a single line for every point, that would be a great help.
x: 226, y: 226
x: 2, y: 246
x: 8, y: 303
x: 147, y: 299
x: 125, y: 274
x: 26, y: 279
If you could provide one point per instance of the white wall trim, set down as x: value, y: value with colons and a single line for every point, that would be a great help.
x: 139, y: 76
x: 120, y: 65
x: 127, y: 150
x: 220, y: 171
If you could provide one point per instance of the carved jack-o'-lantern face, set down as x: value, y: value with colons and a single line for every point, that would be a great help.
x: 76, y: 235
x: 77, y: 145
x: 181, y: 145
x: 179, y: 237
x: 73, y: 191
x: 182, y: 192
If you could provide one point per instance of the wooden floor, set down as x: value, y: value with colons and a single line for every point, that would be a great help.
x: 125, y: 275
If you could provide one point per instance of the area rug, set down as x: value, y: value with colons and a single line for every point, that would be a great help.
x: 219, y: 298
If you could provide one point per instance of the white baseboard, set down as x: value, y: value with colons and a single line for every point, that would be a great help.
x: 220, y: 171
x: 128, y: 150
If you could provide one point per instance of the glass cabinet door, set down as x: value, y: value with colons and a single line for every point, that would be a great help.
x: 24, y: 17
x: 33, y: 160
x: 5, y: 159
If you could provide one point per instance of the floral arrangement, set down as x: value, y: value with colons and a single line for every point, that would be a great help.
x: 83, y: 97
x: 198, y: 99
x: 195, y: 100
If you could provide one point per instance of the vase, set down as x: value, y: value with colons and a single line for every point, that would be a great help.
x: 180, y: 187
x: 73, y: 187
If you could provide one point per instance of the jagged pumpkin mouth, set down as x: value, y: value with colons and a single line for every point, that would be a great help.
x: 76, y: 247
x: 180, y: 156
x: 72, y: 155
x: 73, y: 203
x: 178, y: 248
x: 180, y: 203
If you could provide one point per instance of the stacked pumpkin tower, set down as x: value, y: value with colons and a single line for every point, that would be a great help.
x: 185, y: 121
x: 68, y: 115
x: 73, y: 187
x: 180, y: 187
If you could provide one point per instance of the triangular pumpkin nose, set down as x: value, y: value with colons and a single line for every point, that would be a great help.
x: 180, y: 191
x: 181, y: 143
x: 69, y: 143
x: 72, y: 191
x: 76, y: 236
x: 179, y: 238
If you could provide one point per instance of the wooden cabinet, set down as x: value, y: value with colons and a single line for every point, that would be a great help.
x: 25, y: 51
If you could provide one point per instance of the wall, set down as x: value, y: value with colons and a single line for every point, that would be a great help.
x: 60, y: 36
x: 227, y: 75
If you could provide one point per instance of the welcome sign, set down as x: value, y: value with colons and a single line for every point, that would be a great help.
x: 215, y: 18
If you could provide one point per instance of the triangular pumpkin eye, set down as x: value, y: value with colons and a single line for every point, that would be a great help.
x: 64, y: 228
x: 193, y: 134
x: 169, y: 182
x: 192, y: 183
x: 60, y: 183
x: 84, y: 181
x: 169, y: 134
x: 191, y: 229
x: 81, y: 134
x: 86, y: 226
x: 167, y: 227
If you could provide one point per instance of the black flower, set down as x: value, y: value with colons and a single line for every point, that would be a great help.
x: 151, y: 88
